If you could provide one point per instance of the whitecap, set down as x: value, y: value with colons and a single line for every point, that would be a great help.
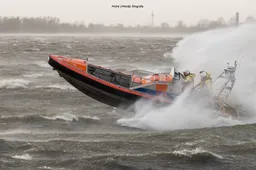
x: 64, y: 116
x: 13, y: 83
x: 196, y: 151
x: 24, y: 157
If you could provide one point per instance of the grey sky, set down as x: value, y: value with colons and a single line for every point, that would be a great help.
x: 100, y: 11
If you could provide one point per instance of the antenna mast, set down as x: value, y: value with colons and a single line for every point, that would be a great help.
x: 152, y: 15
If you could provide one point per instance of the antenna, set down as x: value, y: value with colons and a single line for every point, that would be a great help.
x: 152, y: 15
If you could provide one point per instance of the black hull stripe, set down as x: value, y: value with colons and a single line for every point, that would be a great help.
x: 94, y: 89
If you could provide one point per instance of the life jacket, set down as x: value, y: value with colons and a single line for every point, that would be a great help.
x: 189, y: 78
x: 136, y: 79
x: 140, y: 80
x: 163, y: 78
x: 145, y: 81
x: 168, y: 78
x: 155, y: 77
x: 188, y: 81
x: 207, y: 81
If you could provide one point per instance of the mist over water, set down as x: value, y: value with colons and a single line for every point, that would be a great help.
x: 209, y: 51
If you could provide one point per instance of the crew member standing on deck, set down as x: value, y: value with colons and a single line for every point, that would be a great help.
x: 205, y: 82
x: 188, y: 79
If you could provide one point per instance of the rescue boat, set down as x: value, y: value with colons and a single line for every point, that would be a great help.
x: 123, y: 89
x: 115, y: 88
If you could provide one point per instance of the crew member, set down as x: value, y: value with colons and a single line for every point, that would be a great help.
x: 206, y: 81
x: 188, y: 79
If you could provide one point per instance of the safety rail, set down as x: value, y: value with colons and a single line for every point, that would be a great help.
x: 220, y: 98
x: 145, y: 78
x: 140, y: 77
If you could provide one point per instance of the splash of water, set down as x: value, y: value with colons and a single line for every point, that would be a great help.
x: 179, y: 115
x: 210, y: 51
x: 213, y: 49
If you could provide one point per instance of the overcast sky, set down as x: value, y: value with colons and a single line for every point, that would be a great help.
x: 100, y: 11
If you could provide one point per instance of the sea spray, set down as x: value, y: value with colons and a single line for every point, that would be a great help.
x: 180, y: 115
x: 210, y: 51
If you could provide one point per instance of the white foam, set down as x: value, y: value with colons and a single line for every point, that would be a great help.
x: 91, y: 117
x: 68, y: 117
x: 14, y: 132
x: 58, y: 86
x: 62, y: 86
x: 13, y: 83
x: 12, y: 116
x: 64, y: 116
x: 24, y: 157
x: 179, y: 115
x: 167, y: 55
x: 43, y: 64
x: 68, y: 46
x: 36, y: 75
x: 44, y: 167
x: 194, y: 143
x: 33, y: 49
x: 189, y: 153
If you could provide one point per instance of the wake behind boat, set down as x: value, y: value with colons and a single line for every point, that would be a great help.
x: 124, y: 89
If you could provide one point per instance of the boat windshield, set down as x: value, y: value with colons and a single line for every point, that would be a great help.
x: 141, y: 73
x: 140, y: 77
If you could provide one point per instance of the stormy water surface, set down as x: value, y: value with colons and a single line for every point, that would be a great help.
x: 45, y: 123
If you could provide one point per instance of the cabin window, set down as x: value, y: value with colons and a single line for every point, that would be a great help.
x: 125, y: 81
x: 110, y: 76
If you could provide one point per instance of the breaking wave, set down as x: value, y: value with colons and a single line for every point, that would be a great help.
x: 91, y: 117
x: 209, y: 50
x: 196, y: 152
x: 136, y: 160
x: 13, y: 83
x: 58, y: 86
x: 69, y: 117
x: 37, y: 118
x: 44, y: 167
x: 43, y: 64
x: 37, y: 75
x: 32, y: 50
x: 24, y: 157
x: 63, y: 87
x: 65, y: 116
x: 189, y: 153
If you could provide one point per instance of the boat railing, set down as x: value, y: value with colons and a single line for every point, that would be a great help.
x: 141, y: 72
x: 140, y: 78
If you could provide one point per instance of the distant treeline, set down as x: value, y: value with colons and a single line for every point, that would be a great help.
x: 53, y: 25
